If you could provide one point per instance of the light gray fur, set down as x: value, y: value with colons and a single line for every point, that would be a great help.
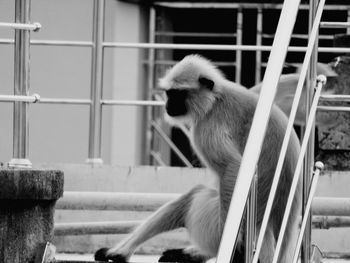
x: 219, y: 121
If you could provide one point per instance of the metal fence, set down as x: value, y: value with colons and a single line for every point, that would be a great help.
x: 21, y: 98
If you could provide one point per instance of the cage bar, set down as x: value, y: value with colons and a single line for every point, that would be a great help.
x: 95, y: 124
x: 239, y: 39
x: 259, y: 31
x: 67, y: 43
x: 329, y: 24
x: 309, y: 159
x: 307, y: 216
x: 18, y: 98
x: 133, y: 102
x: 22, y: 26
x: 21, y: 87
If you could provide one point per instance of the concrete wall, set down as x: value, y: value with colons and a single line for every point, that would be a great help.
x: 59, y: 133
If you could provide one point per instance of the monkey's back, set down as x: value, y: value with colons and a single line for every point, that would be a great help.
x: 235, y: 106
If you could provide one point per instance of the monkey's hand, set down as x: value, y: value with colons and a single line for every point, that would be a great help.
x: 182, y: 255
x: 104, y: 254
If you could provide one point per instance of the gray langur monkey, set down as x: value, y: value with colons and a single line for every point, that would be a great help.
x: 218, y: 114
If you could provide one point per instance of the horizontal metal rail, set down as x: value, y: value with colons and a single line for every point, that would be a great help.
x: 18, y: 98
x: 326, y: 222
x: 125, y: 227
x: 215, y: 5
x: 173, y: 62
x: 67, y: 43
x: 300, y: 36
x: 35, y: 98
x: 194, y: 34
x: 216, y: 47
x: 33, y: 26
x: 329, y: 24
x: 113, y: 201
x: 174, y: 46
x: 133, y: 102
x: 333, y: 108
x: 94, y: 228
x: 313, y: 184
x: 65, y: 101
x: 331, y: 98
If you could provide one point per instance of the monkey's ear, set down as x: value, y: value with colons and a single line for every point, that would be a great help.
x: 206, y: 83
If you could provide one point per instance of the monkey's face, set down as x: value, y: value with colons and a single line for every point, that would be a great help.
x: 182, y: 100
x: 176, y: 102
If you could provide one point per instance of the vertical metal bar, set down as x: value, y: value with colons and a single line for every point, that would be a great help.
x: 284, y: 147
x: 239, y: 36
x: 257, y: 131
x: 318, y: 168
x: 309, y: 156
x: 250, y: 233
x: 94, y: 155
x: 259, y: 29
x: 348, y: 28
x: 298, y: 168
x: 150, y: 83
x: 21, y: 87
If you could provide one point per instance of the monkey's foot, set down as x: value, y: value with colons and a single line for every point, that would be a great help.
x: 103, y: 255
x: 180, y: 255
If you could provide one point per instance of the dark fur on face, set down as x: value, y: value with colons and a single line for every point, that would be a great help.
x: 176, y: 103
x: 179, y: 99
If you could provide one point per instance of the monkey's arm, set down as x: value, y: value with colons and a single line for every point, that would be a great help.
x: 170, y: 216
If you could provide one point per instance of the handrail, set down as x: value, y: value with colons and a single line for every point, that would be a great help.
x: 217, y: 47
x: 318, y: 168
x: 23, y: 26
x: 257, y: 131
x: 320, y: 83
x: 289, y: 129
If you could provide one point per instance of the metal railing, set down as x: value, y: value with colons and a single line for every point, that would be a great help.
x: 21, y: 98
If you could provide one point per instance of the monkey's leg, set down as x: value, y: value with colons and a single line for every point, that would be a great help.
x: 203, y: 224
x: 168, y: 217
x: 188, y: 255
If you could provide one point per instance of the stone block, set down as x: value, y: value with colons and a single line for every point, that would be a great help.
x: 27, y: 200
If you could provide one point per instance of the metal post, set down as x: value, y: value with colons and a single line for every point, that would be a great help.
x: 94, y: 156
x: 239, y: 31
x: 251, y: 231
x: 348, y: 18
x: 309, y: 156
x: 21, y: 87
x: 150, y: 78
x: 259, y: 29
x: 313, y: 184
